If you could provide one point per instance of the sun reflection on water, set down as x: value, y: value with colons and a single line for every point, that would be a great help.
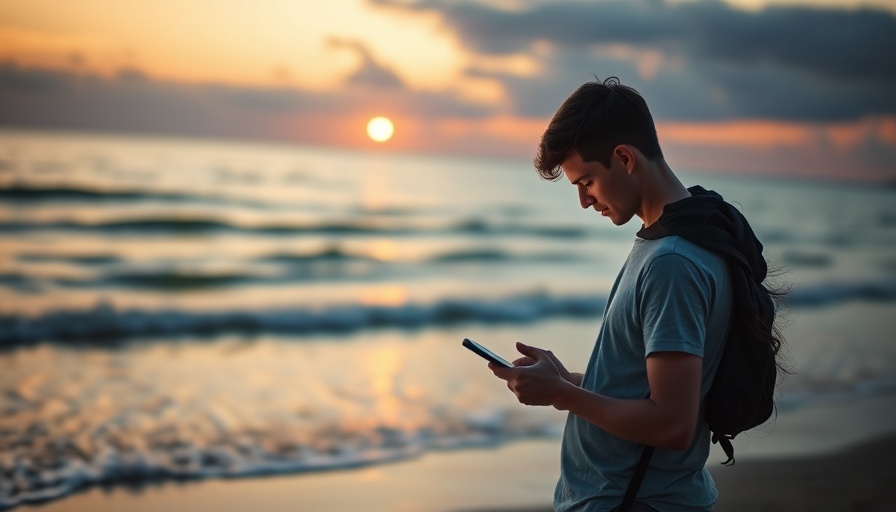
x: 385, y: 295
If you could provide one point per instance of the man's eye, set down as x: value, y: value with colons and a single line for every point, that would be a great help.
x: 587, y: 184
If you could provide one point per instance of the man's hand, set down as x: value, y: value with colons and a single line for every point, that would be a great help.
x: 538, y: 378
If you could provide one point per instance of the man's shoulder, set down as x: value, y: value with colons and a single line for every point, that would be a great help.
x: 672, y: 251
x: 673, y: 244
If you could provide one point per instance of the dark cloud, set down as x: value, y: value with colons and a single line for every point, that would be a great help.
x: 830, y: 42
x: 58, y: 99
x: 131, y: 74
x: 490, y: 29
x: 835, y: 44
x: 282, y: 101
x: 701, y: 90
x: 787, y: 94
x: 371, y: 73
x: 131, y: 101
x: 13, y: 78
x: 781, y: 62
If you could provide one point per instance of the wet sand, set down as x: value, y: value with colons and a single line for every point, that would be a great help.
x: 861, y: 478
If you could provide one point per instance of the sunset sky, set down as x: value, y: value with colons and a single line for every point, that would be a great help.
x: 756, y: 86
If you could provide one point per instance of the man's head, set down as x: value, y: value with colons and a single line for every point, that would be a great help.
x: 593, y: 121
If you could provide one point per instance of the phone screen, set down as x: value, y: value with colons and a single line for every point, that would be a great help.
x: 485, y: 353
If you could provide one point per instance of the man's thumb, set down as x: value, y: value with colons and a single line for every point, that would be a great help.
x: 526, y: 350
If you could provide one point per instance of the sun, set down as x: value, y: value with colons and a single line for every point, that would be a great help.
x: 380, y: 129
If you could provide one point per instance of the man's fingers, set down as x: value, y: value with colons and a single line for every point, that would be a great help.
x: 553, y: 358
x: 526, y: 350
x: 524, y: 361
x: 501, y: 372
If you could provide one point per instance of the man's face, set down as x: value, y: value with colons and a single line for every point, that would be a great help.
x: 611, y: 191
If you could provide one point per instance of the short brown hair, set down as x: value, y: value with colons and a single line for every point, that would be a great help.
x: 596, y: 118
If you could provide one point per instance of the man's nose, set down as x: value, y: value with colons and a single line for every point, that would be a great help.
x: 585, y: 198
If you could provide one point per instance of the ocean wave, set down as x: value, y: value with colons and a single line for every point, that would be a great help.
x: 104, y: 323
x: 145, y: 224
x: 328, y: 254
x: 201, y: 224
x: 807, y: 259
x: 81, y: 259
x: 49, y: 466
x: 494, y: 255
x: 332, y: 263
x: 34, y: 193
x: 166, y: 280
x: 481, y: 227
x: 829, y: 293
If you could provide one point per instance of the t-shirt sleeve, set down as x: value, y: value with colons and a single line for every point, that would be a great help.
x: 674, y: 306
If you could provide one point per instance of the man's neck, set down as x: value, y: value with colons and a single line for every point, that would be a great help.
x: 660, y: 187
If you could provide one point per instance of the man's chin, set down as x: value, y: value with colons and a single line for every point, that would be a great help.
x: 619, y: 221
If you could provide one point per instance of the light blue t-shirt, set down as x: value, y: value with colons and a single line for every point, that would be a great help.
x: 670, y: 295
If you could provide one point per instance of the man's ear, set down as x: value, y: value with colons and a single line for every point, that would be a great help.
x: 627, y: 156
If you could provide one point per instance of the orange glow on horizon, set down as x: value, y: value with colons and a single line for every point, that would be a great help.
x: 768, y: 134
x: 753, y: 134
x: 794, y: 148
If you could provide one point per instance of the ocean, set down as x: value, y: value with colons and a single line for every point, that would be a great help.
x: 184, y: 309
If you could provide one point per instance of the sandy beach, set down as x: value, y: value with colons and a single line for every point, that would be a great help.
x: 835, y: 456
x: 861, y: 477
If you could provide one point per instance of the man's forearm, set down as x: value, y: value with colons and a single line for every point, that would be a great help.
x: 641, y: 421
x: 668, y: 419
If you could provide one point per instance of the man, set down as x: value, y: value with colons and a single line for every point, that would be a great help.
x: 664, y: 326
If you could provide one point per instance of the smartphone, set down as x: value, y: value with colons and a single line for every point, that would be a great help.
x: 485, y: 353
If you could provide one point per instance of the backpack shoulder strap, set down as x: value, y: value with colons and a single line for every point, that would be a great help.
x: 631, y: 492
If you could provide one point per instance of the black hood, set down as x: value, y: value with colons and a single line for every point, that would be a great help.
x: 705, y: 219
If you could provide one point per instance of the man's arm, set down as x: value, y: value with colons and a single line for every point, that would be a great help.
x: 667, y: 419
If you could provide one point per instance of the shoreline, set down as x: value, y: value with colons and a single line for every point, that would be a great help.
x: 831, y: 456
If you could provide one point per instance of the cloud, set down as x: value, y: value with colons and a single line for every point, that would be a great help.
x: 129, y: 101
x: 702, y: 60
x: 132, y: 101
x: 34, y: 82
x: 371, y: 73
x: 491, y: 29
x: 830, y: 42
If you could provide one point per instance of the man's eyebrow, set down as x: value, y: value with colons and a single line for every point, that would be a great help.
x: 576, y: 182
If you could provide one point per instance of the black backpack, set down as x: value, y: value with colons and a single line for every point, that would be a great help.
x: 742, y: 393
